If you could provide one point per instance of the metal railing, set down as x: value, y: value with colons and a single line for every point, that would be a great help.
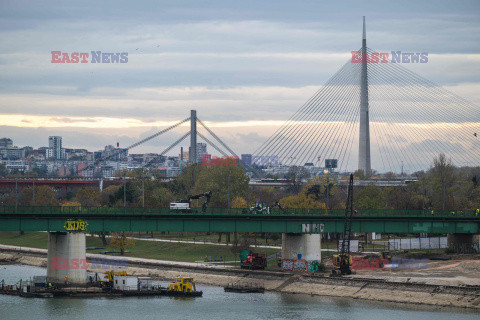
x: 77, y: 210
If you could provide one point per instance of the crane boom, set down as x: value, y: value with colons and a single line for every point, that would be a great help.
x: 343, y: 260
x: 185, y: 204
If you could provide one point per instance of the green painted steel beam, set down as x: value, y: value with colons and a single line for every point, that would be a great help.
x: 58, y: 221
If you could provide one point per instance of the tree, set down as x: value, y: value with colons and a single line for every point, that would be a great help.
x: 71, y: 204
x: 442, y: 180
x: 44, y: 196
x: 120, y: 241
x: 156, y: 195
x: 31, y: 174
x: 184, y: 183
x: 402, y: 198
x: 266, y: 194
x: 359, y: 174
x: 221, y: 181
x: 296, y: 175
x: 3, y: 171
x: 239, y: 202
x: 370, y: 197
x: 107, y: 194
x: 390, y: 176
x: 301, y: 201
x: 130, y: 194
x: 325, y: 189
x: 88, y: 196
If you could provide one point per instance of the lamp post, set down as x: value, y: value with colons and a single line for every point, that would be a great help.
x: 16, y: 194
x: 33, y: 182
x: 124, y: 191
x: 143, y: 187
x: 328, y: 188
x: 228, y: 192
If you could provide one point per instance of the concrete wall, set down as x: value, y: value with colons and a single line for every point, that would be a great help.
x: 308, y: 245
x: 66, y: 257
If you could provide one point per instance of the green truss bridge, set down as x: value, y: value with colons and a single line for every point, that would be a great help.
x: 91, y: 219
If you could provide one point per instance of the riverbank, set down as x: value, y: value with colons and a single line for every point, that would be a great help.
x: 396, y: 289
x: 144, y: 248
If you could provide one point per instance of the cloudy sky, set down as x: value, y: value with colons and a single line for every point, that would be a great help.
x: 245, y: 66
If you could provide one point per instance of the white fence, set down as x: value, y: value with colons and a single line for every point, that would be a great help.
x: 353, y: 246
x: 417, y: 243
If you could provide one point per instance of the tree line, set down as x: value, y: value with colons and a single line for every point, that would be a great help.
x: 442, y: 187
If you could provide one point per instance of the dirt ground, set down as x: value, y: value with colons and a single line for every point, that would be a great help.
x: 460, y: 270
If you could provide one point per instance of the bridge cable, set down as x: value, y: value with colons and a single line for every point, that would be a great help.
x: 148, y: 164
x: 211, y: 143
x: 217, y: 138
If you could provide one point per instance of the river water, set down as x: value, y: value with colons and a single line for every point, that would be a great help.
x: 215, y: 304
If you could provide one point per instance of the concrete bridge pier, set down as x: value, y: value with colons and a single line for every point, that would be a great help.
x: 462, y: 242
x: 66, y: 257
x: 307, y: 245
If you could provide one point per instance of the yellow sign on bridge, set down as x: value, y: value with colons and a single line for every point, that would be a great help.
x: 76, y: 225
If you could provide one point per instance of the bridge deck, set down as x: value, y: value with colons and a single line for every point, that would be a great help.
x: 231, y: 220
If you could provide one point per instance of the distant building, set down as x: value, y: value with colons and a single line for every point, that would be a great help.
x: 17, y: 165
x: 6, y: 143
x: 173, y: 171
x: 246, y: 160
x: 108, y: 171
x: 183, y: 155
x: 206, y: 158
x: 55, y: 147
x: 265, y: 161
x: 12, y: 153
x: 112, y: 153
x: 201, y: 150
x: 63, y: 171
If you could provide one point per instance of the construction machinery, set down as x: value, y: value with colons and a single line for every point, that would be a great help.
x: 254, y: 261
x: 260, y: 207
x: 110, y: 275
x: 182, y: 284
x: 184, y: 205
x: 342, y: 262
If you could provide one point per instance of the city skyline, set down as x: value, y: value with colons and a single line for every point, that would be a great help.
x: 245, y: 73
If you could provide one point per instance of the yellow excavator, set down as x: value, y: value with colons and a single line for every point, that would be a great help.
x: 182, y: 284
x: 109, y: 275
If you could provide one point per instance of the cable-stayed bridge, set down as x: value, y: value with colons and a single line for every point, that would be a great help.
x: 367, y: 115
x: 378, y: 115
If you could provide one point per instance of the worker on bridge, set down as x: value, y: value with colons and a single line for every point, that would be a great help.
x: 477, y: 212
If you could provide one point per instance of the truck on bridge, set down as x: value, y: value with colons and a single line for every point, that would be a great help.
x: 184, y: 205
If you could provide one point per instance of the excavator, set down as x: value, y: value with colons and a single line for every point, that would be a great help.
x: 342, y: 262
x: 110, y: 275
x: 261, y: 208
x: 184, y: 205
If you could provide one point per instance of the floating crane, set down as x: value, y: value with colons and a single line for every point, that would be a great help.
x: 343, y: 261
